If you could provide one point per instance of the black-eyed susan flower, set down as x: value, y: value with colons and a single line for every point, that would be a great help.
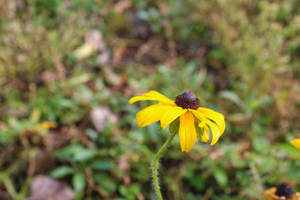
x: 187, y: 108
x: 283, y: 191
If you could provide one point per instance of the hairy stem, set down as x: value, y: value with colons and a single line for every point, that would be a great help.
x: 156, y: 165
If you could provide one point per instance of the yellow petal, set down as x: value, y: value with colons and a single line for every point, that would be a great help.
x: 151, y: 114
x: 187, y: 132
x: 215, y: 128
x: 152, y: 96
x: 270, y: 193
x: 202, y: 124
x: 214, y: 116
x: 215, y: 131
x: 296, y: 143
x: 205, y: 135
x: 171, y: 115
x: 44, y: 126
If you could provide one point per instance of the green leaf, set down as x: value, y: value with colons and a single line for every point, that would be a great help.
x: 174, y: 126
x: 289, y: 148
x: 233, y: 97
x: 220, y: 176
x: 61, y: 172
x: 79, y: 181
x: 108, y: 184
x: 77, y: 153
x: 101, y: 164
x: 85, y: 155
x: 130, y: 191
x: 198, y: 181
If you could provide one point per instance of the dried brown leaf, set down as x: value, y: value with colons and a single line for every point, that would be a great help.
x: 45, y: 188
x: 124, y: 166
x: 121, y: 6
x: 100, y: 116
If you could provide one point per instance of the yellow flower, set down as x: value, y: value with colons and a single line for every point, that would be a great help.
x: 296, y: 143
x: 187, y: 108
x: 44, y: 126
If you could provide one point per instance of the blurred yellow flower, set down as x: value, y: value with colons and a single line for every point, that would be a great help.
x: 44, y: 126
x: 296, y: 143
x: 283, y: 191
x: 187, y: 107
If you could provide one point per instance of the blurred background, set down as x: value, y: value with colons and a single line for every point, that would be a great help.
x: 68, y: 69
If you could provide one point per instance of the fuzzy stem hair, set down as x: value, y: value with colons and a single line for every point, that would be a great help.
x: 155, y: 165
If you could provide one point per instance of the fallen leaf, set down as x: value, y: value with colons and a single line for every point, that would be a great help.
x: 93, y: 43
x: 118, y: 54
x: 45, y: 188
x: 41, y: 162
x: 121, y: 6
x: 57, y: 139
x: 48, y: 76
x: 111, y: 77
x: 140, y: 28
x: 100, y: 116
x: 3, y: 126
x: 124, y: 166
x: 95, y: 38
x: 103, y: 58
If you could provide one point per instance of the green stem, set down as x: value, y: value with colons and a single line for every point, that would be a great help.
x: 156, y: 165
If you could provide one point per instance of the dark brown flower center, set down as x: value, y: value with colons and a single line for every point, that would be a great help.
x: 284, y: 190
x: 187, y: 100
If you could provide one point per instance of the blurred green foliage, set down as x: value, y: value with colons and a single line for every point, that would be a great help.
x: 240, y: 58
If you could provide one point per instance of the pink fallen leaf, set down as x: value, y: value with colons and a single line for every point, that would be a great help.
x: 45, y: 188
